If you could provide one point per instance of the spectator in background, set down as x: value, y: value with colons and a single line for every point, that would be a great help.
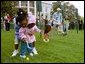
x: 9, y: 19
x: 2, y: 22
x: 66, y: 25
x: 42, y: 22
x: 80, y: 25
x: 7, y: 22
x: 57, y: 17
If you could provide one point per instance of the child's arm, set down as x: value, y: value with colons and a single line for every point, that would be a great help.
x: 37, y: 29
x: 22, y: 34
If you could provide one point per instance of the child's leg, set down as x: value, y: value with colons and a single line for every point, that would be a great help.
x: 47, y: 29
x: 30, y: 50
x: 34, y: 44
x: 46, y: 36
x: 31, y: 46
x: 34, y: 49
x: 23, y: 48
x: 16, y: 44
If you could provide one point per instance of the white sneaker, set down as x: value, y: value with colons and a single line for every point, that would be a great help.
x: 31, y: 54
x: 35, y: 51
x: 22, y: 56
x: 46, y: 40
x: 15, y: 53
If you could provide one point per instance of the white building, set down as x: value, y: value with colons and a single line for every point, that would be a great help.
x: 46, y: 9
x: 30, y: 6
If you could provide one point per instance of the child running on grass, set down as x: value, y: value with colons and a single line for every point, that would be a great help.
x: 46, y: 30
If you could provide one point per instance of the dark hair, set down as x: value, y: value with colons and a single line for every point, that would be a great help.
x: 21, y: 17
x: 20, y: 11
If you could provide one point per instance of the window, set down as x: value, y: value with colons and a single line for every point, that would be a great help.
x: 31, y: 3
x: 46, y: 9
x: 32, y: 10
x: 16, y: 3
x: 25, y: 9
x: 23, y: 3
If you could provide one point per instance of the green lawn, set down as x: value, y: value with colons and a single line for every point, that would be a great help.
x: 60, y: 49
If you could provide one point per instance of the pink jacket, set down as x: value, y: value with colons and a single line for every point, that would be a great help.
x: 28, y: 34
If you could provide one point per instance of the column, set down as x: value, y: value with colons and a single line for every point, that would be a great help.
x: 27, y: 6
x: 35, y: 8
x: 19, y: 4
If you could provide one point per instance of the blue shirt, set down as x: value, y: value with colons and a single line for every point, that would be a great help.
x: 16, y: 27
x: 58, y: 17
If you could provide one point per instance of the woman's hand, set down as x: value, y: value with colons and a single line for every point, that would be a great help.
x: 24, y: 39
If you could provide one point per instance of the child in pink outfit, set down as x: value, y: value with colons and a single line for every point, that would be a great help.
x: 27, y: 36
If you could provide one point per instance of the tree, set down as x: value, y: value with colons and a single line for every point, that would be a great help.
x: 8, y: 7
x: 56, y: 5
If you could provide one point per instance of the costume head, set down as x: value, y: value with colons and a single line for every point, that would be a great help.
x: 31, y: 19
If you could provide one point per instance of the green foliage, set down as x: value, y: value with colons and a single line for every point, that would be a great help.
x: 8, y: 7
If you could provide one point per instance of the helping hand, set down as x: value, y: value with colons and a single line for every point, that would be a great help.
x: 24, y: 39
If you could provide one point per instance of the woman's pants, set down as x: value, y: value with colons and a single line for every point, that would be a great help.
x: 7, y: 26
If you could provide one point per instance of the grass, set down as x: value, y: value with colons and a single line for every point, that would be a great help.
x: 60, y: 49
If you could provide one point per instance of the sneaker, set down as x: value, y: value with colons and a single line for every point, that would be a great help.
x: 15, y: 53
x: 35, y: 51
x: 46, y: 40
x: 22, y: 56
x: 31, y: 54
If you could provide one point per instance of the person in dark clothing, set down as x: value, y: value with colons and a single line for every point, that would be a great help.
x: 46, y: 30
x: 80, y: 24
x: 20, y: 12
x: 7, y: 22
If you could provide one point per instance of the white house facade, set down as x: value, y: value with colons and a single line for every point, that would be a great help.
x: 30, y: 6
